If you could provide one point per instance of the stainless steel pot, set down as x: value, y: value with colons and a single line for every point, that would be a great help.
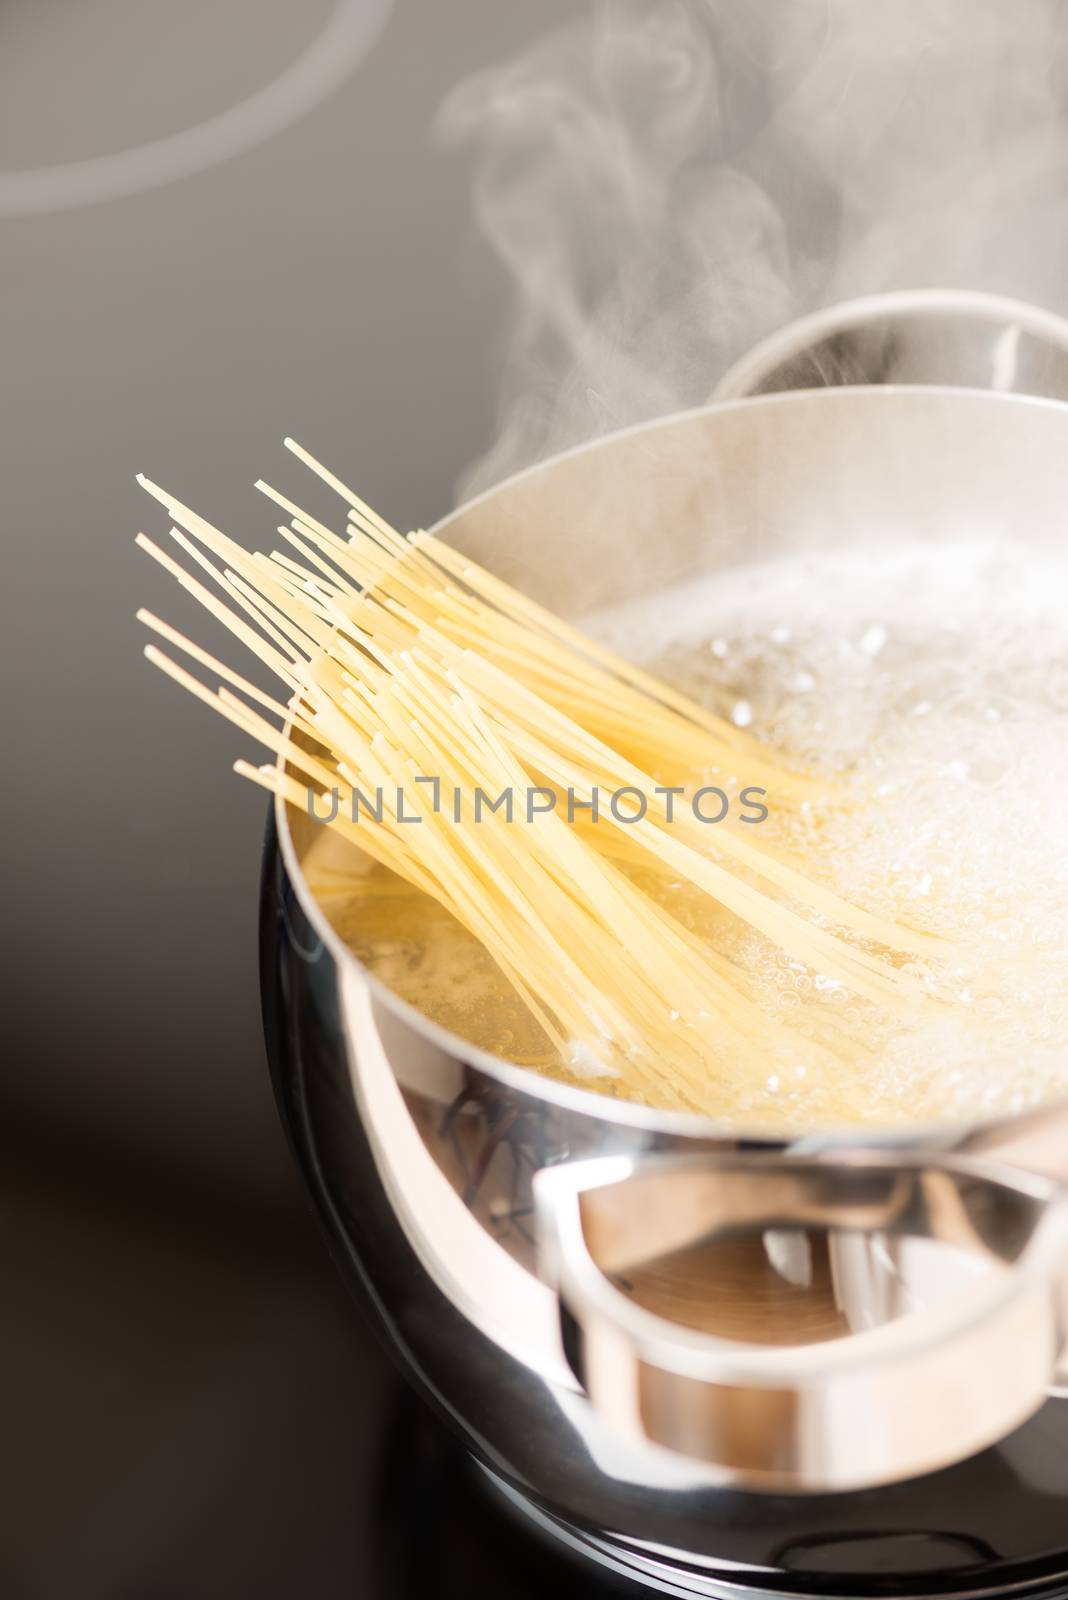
x: 503, y: 1225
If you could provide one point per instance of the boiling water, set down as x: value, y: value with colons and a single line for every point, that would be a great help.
x: 933, y: 683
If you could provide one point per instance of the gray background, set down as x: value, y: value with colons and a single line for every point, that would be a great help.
x: 190, y: 1405
x: 327, y: 285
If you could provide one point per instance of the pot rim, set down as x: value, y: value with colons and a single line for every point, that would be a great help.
x: 587, y: 1102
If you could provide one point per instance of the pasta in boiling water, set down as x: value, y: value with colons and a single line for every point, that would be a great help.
x: 771, y: 975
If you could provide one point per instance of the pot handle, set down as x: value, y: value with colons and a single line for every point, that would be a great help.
x: 891, y: 1389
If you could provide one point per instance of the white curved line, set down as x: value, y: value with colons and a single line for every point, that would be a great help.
x: 350, y: 32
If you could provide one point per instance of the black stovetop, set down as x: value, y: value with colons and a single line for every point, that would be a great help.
x: 195, y: 1410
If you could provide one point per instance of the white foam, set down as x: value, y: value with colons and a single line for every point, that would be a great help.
x: 936, y: 683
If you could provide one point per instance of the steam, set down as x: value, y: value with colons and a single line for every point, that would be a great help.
x: 668, y: 180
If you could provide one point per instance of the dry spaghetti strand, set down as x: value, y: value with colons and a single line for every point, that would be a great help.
x: 399, y: 659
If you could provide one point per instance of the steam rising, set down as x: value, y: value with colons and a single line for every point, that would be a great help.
x: 668, y: 180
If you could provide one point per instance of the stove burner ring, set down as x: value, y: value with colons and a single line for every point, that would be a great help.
x: 326, y: 64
